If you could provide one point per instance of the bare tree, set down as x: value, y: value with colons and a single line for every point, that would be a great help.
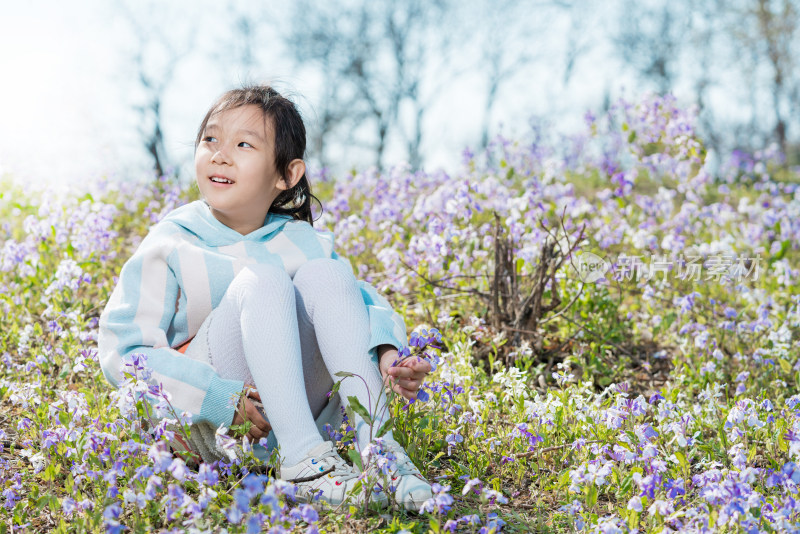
x: 511, y: 36
x: 579, y: 41
x: 650, y: 39
x: 507, y: 46
x: 155, y: 55
x: 154, y: 86
x: 242, y: 37
x: 772, y: 31
x: 702, y: 66
x: 315, y: 43
x: 334, y: 107
x: 374, y: 59
x: 413, y: 48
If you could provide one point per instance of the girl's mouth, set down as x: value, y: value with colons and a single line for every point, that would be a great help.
x: 220, y: 180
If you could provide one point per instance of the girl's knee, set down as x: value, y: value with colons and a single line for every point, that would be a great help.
x: 259, y: 279
x: 322, y: 271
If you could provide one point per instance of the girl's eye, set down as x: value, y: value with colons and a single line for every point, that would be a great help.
x: 209, y: 139
x: 245, y: 144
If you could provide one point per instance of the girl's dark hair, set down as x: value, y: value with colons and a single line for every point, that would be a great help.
x: 290, y: 142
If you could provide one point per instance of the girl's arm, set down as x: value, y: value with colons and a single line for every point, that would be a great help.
x: 136, y: 320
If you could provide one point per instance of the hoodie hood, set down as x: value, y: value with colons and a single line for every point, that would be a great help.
x: 197, y: 219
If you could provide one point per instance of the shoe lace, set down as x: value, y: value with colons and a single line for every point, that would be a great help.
x: 341, y: 470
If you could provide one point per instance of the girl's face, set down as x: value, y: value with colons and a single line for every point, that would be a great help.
x: 235, y: 167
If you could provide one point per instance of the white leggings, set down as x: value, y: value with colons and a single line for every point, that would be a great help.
x: 288, y: 337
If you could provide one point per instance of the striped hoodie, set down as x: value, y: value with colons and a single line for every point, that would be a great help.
x: 180, y: 272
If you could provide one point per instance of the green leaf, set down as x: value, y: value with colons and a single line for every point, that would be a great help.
x: 20, y: 514
x: 241, y: 430
x: 633, y: 519
x: 712, y: 518
x: 782, y: 445
x: 359, y: 409
x: 625, y: 485
x: 785, y: 244
x: 42, y: 501
x: 682, y: 459
x: 344, y: 374
x: 54, y: 504
x: 64, y: 371
x: 64, y: 418
x: 49, y: 473
x: 752, y: 454
x: 351, y: 415
x: 355, y: 458
x: 385, y: 427
x: 785, y: 366
x: 591, y: 497
x: 624, y: 445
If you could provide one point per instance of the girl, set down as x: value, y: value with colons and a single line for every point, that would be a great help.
x: 237, y: 296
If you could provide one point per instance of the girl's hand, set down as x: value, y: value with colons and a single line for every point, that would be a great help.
x: 260, y: 428
x: 406, y: 377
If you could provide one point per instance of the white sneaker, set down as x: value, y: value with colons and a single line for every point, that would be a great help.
x: 409, y: 486
x: 325, y: 476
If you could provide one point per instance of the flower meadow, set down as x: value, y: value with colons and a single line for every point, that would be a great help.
x: 661, y: 395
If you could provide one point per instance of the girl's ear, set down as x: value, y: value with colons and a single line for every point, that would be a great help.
x: 295, y: 171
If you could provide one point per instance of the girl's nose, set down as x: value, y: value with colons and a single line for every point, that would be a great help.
x: 219, y: 157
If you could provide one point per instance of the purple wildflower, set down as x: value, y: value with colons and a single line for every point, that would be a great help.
x: 441, y: 502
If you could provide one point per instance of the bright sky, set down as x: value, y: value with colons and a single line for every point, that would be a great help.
x: 66, y: 96
x: 49, y: 127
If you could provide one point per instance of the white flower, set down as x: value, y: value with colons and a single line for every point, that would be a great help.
x: 38, y: 460
x: 225, y: 442
x: 514, y: 381
x: 660, y: 507
x: 178, y: 469
x: 635, y: 504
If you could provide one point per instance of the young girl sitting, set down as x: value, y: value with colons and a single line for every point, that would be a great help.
x: 237, y: 296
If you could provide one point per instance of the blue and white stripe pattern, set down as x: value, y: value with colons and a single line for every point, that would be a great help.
x: 180, y: 272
